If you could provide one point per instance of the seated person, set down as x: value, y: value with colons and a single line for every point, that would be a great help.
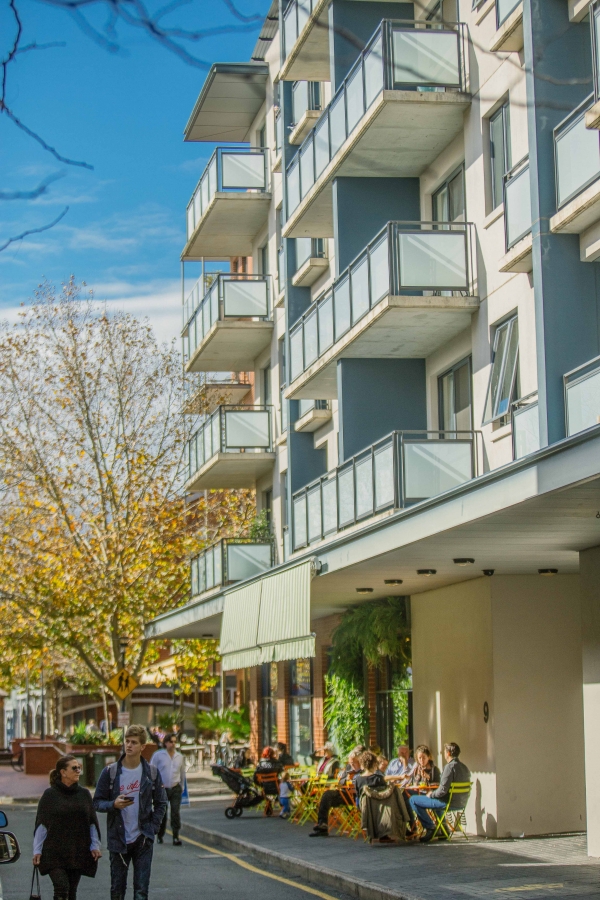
x: 425, y: 770
x: 402, y: 766
x: 267, y: 764
x: 243, y: 759
x: 454, y: 771
x: 382, y: 764
x: 283, y: 756
x: 329, y: 764
x: 333, y: 798
x: 370, y: 775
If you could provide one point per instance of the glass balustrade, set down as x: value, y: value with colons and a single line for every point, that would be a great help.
x: 230, y: 429
x: 399, y: 56
x: 309, y: 248
x: 525, y: 427
x: 405, y: 258
x: 284, y: 411
x: 595, y: 26
x: 295, y: 17
x: 582, y: 397
x: 504, y: 9
x: 278, y: 133
x: 229, y: 169
x: 400, y: 470
x: 229, y: 561
x: 305, y: 95
x: 576, y: 154
x: 517, y: 204
x: 229, y: 297
x: 281, y: 269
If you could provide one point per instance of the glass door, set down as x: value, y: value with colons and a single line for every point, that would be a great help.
x: 455, y: 404
x: 301, y: 736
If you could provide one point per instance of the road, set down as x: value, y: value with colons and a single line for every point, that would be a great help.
x: 183, y: 872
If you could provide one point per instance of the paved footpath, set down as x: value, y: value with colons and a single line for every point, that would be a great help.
x: 532, y: 869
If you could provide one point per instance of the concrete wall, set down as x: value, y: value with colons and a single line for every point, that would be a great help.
x: 589, y: 563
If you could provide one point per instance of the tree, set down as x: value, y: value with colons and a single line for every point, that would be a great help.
x: 96, y: 535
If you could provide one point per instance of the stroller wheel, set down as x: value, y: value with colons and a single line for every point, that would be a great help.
x: 238, y: 812
x: 230, y: 812
x: 268, y: 808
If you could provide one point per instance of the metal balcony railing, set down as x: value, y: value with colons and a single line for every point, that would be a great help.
x: 295, y: 17
x: 517, y: 203
x: 310, y: 248
x: 228, y: 561
x: 305, y: 95
x: 576, y: 154
x: 409, y: 258
x: 582, y: 397
x: 230, y: 429
x: 595, y: 39
x: 229, y: 297
x: 196, y: 295
x: 197, y: 380
x: 402, y: 469
x: 305, y: 406
x: 401, y: 55
x: 525, y: 426
x: 229, y: 169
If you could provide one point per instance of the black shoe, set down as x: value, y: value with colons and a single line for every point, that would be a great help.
x: 319, y: 831
x: 176, y: 842
x: 159, y: 840
x: 425, y: 838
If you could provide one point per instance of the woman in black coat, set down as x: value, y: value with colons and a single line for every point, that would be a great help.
x: 66, y: 839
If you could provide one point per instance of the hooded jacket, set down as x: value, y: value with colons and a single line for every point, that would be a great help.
x: 153, y: 804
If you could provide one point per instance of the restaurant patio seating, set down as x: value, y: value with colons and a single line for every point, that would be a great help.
x: 448, y: 821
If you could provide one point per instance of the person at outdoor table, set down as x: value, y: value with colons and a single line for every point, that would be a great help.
x: 454, y: 771
x: 402, y: 766
x: 333, y: 798
x: 329, y: 764
x: 267, y: 764
x: 425, y: 770
x: 382, y: 764
x: 283, y: 757
x: 370, y: 776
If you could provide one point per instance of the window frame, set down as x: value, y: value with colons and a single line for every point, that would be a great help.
x: 503, y: 112
x: 445, y: 185
x: 509, y: 322
x: 468, y: 360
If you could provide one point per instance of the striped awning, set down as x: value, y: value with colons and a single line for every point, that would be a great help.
x: 269, y: 620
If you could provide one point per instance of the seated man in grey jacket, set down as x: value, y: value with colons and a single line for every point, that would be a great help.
x: 454, y: 772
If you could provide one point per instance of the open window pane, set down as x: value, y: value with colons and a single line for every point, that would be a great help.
x: 504, y: 366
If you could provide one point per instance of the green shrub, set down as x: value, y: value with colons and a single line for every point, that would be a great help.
x: 344, y: 713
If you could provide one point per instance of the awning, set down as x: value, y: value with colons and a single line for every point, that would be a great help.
x: 269, y: 620
x: 229, y: 101
x: 195, y: 620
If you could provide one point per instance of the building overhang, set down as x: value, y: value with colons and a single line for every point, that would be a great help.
x: 229, y: 225
x: 229, y: 102
x: 231, y: 344
x: 208, y: 396
x: 231, y: 470
x: 308, y: 59
x: 197, y: 619
x: 399, y: 136
x: 396, y: 327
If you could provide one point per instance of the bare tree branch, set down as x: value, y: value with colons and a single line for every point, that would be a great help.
x: 24, y: 234
x: 42, y: 188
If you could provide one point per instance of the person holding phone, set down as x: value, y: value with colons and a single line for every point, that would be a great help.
x: 131, y: 792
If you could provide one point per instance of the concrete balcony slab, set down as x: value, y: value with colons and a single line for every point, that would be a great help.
x: 509, y: 37
x: 310, y: 271
x: 308, y: 121
x: 313, y: 420
x: 229, y: 225
x: 580, y: 213
x: 519, y: 257
x: 308, y: 59
x: 231, y: 470
x: 231, y: 344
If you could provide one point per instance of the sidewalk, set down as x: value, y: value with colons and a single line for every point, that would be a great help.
x: 532, y: 869
x: 17, y: 787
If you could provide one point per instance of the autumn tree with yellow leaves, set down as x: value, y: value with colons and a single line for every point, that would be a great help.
x: 96, y: 535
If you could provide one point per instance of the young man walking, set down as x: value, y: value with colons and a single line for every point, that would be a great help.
x: 171, y: 765
x: 131, y: 792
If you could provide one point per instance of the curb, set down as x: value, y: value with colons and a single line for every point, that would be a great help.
x: 317, y: 875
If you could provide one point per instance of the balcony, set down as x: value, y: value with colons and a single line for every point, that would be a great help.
x: 592, y: 115
x: 206, y: 392
x: 517, y: 220
x: 312, y: 415
x: 305, y: 41
x: 306, y: 109
x: 410, y: 291
x: 401, y: 103
x: 231, y: 449
x: 582, y: 397
x: 577, y: 165
x: 402, y: 469
x: 229, y: 561
x: 229, y: 206
x: 509, y: 26
x: 525, y: 426
x: 230, y: 326
x: 311, y: 261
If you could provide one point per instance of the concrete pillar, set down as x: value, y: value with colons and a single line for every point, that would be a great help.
x: 589, y: 572
x: 255, y: 710
x: 283, y: 705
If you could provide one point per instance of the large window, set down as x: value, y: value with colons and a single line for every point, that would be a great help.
x: 301, y: 738
x: 269, y: 686
x: 503, y: 388
x: 500, y: 154
x: 454, y: 389
x: 448, y: 202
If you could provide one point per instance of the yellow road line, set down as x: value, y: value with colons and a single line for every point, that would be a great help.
x: 527, y: 887
x: 246, y: 865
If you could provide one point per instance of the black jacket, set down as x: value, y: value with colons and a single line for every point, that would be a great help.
x: 455, y: 771
x: 67, y: 814
x: 153, y: 803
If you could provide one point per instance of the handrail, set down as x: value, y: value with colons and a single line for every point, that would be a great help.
x: 212, y: 436
x: 194, y: 301
x: 216, y: 557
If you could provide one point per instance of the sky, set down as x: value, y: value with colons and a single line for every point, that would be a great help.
x: 122, y: 112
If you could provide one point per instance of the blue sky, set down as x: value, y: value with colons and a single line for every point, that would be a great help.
x: 123, y: 113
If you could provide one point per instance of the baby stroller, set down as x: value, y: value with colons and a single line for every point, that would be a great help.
x: 247, y: 794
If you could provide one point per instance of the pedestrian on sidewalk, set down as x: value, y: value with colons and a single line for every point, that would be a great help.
x: 66, y: 838
x: 131, y: 792
x: 171, y: 765
x: 285, y: 794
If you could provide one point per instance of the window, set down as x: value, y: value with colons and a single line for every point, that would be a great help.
x: 448, y: 202
x: 268, y: 505
x: 503, y: 388
x: 263, y: 259
x: 262, y: 136
x: 454, y: 390
x: 269, y: 685
x: 301, y: 739
x: 266, y: 386
x: 500, y: 155
x: 284, y: 500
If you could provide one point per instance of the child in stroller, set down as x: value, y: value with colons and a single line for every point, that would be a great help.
x: 247, y: 794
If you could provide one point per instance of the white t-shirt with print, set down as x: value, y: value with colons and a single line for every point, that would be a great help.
x: 129, y: 786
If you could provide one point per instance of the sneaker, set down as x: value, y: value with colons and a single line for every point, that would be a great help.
x: 159, y: 840
x: 426, y: 837
x: 177, y: 842
x: 319, y: 831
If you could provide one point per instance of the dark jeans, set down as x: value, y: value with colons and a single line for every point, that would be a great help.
x: 65, y: 883
x: 420, y: 804
x: 327, y: 802
x: 140, y: 854
x: 174, y: 798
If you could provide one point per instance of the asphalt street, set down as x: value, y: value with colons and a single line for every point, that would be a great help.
x: 190, y: 871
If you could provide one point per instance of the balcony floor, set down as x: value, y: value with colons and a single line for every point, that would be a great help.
x: 231, y: 470
x: 308, y: 59
x: 399, y: 136
x: 396, y: 327
x: 228, y: 226
x: 232, y: 345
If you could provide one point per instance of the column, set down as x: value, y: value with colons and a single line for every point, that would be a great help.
x: 589, y: 570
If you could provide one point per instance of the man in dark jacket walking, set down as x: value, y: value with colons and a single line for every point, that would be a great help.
x: 131, y: 792
x: 455, y: 772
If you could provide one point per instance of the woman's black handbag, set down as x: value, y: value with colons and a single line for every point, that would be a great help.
x: 36, y: 891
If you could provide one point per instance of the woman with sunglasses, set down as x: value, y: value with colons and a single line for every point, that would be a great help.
x: 66, y: 840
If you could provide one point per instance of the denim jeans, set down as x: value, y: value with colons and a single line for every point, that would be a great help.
x: 420, y: 804
x: 174, y: 798
x: 140, y: 854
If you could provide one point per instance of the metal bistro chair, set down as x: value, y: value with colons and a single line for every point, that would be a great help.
x: 448, y: 821
x: 347, y: 818
x: 269, y: 782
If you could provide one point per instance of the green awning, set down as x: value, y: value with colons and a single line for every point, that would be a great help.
x: 269, y: 620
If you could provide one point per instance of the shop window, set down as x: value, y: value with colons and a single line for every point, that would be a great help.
x: 301, y: 734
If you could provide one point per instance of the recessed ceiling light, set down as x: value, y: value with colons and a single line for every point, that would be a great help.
x: 547, y: 571
x: 426, y: 571
x: 464, y: 561
x: 393, y: 581
x: 488, y: 572
x: 364, y: 590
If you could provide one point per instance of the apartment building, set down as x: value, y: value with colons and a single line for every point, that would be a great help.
x: 405, y: 198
